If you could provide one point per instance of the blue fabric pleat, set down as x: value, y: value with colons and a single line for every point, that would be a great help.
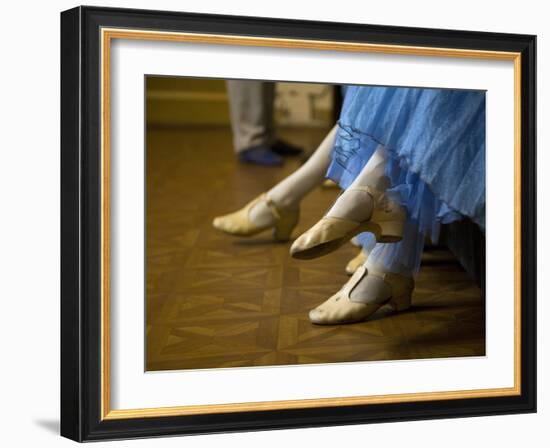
x: 435, y: 142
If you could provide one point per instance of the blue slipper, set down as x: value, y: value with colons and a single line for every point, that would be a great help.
x: 260, y: 155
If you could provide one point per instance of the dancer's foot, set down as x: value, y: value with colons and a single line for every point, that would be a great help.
x: 286, y: 149
x: 356, y: 261
x: 260, y: 155
x: 363, y: 294
x: 357, y: 209
x: 259, y: 215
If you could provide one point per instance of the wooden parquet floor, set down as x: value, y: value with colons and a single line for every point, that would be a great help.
x: 216, y: 301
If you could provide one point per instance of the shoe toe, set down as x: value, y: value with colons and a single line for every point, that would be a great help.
x: 306, y: 241
x: 317, y: 316
x: 299, y: 245
x: 354, y: 263
x: 350, y: 268
x: 218, y: 222
x: 226, y: 224
x: 324, y: 237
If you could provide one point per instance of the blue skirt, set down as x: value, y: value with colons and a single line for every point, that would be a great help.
x: 435, y: 142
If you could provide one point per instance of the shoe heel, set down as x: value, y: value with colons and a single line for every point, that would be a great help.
x: 402, y: 302
x: 390, y: 231
x: 284, y: 227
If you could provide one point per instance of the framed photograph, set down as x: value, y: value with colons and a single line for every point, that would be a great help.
x: 277, y: 224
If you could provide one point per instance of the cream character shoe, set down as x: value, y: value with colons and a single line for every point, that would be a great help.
x: 381, y: 289
x: 328, y: 183
x: 386, y: 222
x: 240, y: 224
x: 354, y: 241
x: 356, y: 261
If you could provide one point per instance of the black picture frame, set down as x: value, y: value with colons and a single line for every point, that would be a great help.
x: 81, y: 226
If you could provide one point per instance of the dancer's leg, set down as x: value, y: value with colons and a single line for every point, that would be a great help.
x: 289, y: 192
x: 356, y: 204
x: 402, y: 258
x: 363, y: 206
x: 279, y: 207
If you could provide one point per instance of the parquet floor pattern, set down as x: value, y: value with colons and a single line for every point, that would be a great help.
x: 216, y: 301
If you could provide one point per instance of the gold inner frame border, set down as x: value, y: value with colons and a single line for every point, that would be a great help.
x: 107, y: 35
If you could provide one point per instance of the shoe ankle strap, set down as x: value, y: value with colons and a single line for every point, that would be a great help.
x: 373, y: 192
x: 390, y: 277
x: 357, y: 276
x: 271, y: 205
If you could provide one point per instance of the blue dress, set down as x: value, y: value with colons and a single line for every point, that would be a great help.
x: 435, y: 142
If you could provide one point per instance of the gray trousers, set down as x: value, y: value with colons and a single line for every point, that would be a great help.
x: 251, y: 110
